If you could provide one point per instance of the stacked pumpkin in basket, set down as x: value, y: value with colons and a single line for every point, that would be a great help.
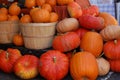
x: 40, y: 12
x: 86, y: 43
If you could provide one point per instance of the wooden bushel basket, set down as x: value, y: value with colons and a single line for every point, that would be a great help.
x: 38, y: 35
x: 7, y: 30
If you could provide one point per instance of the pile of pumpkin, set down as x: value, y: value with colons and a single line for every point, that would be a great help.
x: 93, y: 33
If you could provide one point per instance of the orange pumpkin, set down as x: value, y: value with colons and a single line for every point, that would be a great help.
x: 53, y: 17
x: 26, y: 19
x: 92, y: 42
x: 18, y: 40
x: 3, y: 17
x: 51, y: 2
x: 83, y: 66
x: 30, y: 3
x: 14, y: 9
x: 40, y: 16
x: 4, y: 10
x: 47, y: 7
x: 13, y: 18
x: 64, y: 2
x: 40, y: 2
x: 108, y: 19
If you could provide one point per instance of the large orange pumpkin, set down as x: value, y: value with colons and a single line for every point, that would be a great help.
x: 66, y: 42
x: 92, y: 42
x: 83, y: 66
x: 108, y: 19
x: 40, y: 15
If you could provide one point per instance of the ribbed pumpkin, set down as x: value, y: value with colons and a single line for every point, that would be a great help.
x: 110, y: 32
x: 111, y: 49
x: 67, y: 24
x: 83, y: 66
x: 91, y: 22
x: 108, y: 19
x: 115, y: 65
x: 92, y: 42
x: 53, y: 65
x: 81, y: 32
x: 91, y: 10
x: 66, y: 42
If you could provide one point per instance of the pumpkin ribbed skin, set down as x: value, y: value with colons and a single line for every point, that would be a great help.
x: 110, y: 32
x: 53, y: 65
x: 81, y: 68
x: 92, y: 42
x: 115, y: 65
x: 111, y: 49
x: 66, y: 42
x: 92, y: 10
x: 67, y: 24
x: 108, y: 19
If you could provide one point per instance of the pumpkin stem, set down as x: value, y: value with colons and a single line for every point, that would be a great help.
x: 115, y: 41
x: 101, y: 55
x: 73, y: 52
x: 7, y: 55
x: 54, y: 59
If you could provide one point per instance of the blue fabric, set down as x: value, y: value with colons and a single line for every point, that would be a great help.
x: 110, y: 8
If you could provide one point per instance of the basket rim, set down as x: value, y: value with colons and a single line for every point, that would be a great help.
x: 39, y: 24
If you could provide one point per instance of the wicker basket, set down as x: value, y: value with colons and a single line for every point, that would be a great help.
x: 38, y: 35
x: 7, y: 30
